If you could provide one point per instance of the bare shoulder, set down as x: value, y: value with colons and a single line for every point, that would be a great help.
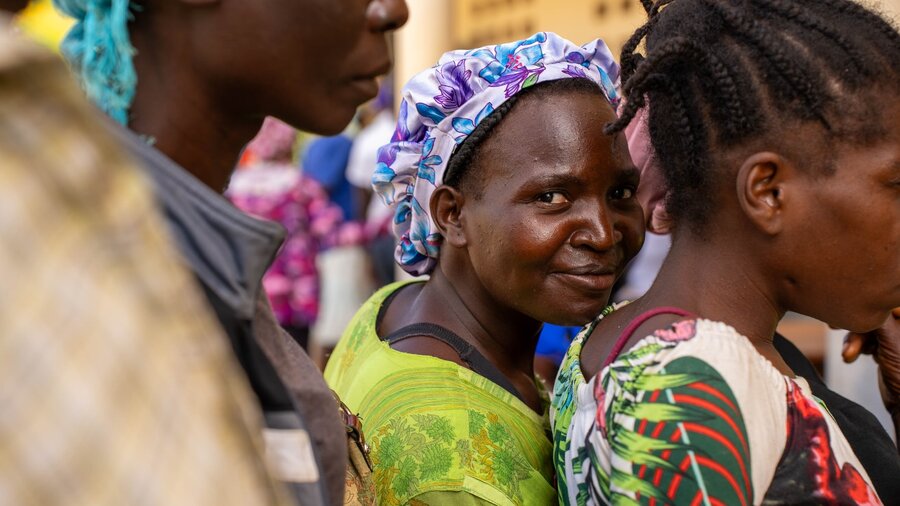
x: 602, y: 339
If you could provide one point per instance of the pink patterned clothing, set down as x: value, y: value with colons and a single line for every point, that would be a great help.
x: 280, y: 193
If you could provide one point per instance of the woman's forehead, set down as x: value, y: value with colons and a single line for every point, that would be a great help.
x: 546, y: 125
x: 554, y: 135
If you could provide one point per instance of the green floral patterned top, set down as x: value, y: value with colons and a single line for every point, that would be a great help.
x: 439, y: 433
x: 693, y: 414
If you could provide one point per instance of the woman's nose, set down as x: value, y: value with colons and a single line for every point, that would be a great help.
x: 387, y: 15
x: 597, y: 232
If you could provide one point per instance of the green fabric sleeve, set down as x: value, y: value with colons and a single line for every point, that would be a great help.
x: 685, y: 438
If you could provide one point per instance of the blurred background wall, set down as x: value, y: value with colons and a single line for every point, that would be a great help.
x: 437, y: 26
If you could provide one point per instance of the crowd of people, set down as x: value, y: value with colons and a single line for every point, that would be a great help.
x: 201, y: 303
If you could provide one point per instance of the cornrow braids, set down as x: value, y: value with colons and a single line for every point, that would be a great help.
x: 855, y: 60
x: 719, y: 74
x: 465, y: 157
x: 630, y: 59
x: 868, y: 19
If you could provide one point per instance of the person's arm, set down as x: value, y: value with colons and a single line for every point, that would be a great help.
x: 884, y: 346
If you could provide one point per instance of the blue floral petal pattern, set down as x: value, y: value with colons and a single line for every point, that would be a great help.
x: 428, y: 162
x: 430, y: 112
x: 464, y: 126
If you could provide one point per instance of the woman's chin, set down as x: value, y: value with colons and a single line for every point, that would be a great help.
x: 575, y: 317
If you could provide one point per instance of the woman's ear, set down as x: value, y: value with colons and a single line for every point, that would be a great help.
x: 446, y: 208
x: 761, y: 190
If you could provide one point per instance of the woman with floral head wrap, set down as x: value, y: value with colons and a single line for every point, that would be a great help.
x: 507, y: 193
x: 193, y: 80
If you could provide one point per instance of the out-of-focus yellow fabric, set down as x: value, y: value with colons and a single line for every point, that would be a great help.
x: 117, y: 384
x: 44, y: 23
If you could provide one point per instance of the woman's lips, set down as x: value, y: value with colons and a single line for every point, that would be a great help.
x: 591, y: 278
x: 365, y: 87
x: 590, y: 270
x: 366, y: 83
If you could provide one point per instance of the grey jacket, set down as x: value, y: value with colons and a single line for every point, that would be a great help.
x: 229, y: 252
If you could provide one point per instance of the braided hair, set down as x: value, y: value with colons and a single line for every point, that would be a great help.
x: 724, y: 73
x: 465, y: 158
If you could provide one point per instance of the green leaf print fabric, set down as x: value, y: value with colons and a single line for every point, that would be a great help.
x: 694, y: 415
x: 439, y: 433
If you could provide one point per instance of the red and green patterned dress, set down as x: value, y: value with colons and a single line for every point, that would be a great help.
x: 695, y: 415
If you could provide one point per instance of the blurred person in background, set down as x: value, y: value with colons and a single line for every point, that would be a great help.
x: 377, y: 124
x: 551, y: 347
x: 269, y: 185
x: 118, y: 385
x: 345, y: 271
x: 190, y: 84
x: 325, y: 162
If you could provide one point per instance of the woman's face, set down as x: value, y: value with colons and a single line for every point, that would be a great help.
x: 310, y: 63
x: 556, y: 219
x: 846, y: 270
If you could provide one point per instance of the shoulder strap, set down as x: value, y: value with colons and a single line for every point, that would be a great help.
x: 475, y: 360
x: 633, y: 326
x: 384, y: 306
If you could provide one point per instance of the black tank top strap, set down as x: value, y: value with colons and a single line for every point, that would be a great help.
x: 385, y: 304
x: 467, y: 353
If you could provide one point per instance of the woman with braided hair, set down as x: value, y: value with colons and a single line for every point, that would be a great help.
x: 775, y: 127
x: 509, y: 195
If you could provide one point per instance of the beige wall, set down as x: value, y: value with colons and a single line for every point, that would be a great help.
x: 892, y: 8
x: 424, y: 38
x: 436, y: 26
x: 480, y: 22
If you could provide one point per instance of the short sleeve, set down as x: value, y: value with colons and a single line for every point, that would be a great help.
x: 693, y: 416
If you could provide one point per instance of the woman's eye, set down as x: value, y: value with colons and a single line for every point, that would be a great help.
x: 623, y: 193
x: 552, y: 198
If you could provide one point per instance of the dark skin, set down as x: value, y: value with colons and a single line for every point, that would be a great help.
x: 13, y: 5
x: 784, y: 237
x: 210, y: 71
x: 548, y: 225
x: 884, y: 346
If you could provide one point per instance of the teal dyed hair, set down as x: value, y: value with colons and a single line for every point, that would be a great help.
x: 99, y: 50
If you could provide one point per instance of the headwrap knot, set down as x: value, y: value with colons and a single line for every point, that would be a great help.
x: 99, y: 50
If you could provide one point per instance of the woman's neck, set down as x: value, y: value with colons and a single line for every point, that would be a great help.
x: 180, y: 115
x: 715, y: 282
x: 506, y: 337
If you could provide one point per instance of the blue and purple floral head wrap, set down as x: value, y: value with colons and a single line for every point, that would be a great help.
x: 442, y: 106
